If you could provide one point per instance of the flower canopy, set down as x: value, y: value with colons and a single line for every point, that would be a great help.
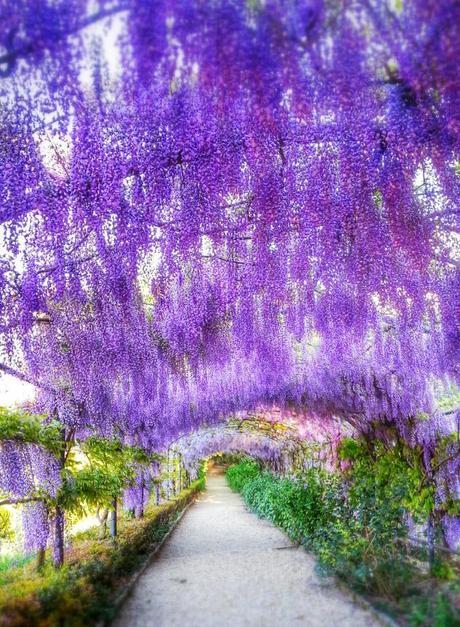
x: 209, y: 206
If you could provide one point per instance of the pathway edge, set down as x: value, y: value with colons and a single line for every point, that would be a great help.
x: 358, y: 599
x: 128, y: 588
x: 383, y: 618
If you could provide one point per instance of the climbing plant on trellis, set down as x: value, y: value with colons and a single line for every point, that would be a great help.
x: 214, y: 206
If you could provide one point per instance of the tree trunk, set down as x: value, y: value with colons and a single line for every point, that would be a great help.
x: 40, y: 559
x: 58, y: 548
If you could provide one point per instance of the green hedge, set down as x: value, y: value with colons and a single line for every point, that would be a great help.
x: 240, y: 474
x: 353, y: 524
x: 84, y: 591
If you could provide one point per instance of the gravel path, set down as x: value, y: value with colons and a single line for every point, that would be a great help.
x: 223, y: 566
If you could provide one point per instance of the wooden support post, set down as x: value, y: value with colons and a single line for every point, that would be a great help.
x: 168, y: 481
x: 113, y: 519
x: 140, y: 513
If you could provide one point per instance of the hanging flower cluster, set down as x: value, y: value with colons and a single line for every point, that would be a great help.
x: 209, y: 206
x: 28, y: 473
x: 137, y: 495
x: 27, y: 469
x: 36, y: 527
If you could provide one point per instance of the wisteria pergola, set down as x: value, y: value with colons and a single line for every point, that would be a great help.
x: 277, y: 445
x: 225, y: 205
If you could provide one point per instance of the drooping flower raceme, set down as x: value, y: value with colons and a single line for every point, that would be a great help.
x: 210, y: 207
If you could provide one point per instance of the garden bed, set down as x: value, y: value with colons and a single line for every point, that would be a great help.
x: 85, y: 590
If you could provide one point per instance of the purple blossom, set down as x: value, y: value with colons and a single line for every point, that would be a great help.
x: 255, y: 208
x: 451, y: 526
x: 36, y: 527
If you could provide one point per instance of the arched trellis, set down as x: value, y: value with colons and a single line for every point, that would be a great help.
x: 278, y: 445
x: 286, y: 178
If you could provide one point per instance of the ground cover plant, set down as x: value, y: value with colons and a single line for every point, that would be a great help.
x: 356, y: 526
